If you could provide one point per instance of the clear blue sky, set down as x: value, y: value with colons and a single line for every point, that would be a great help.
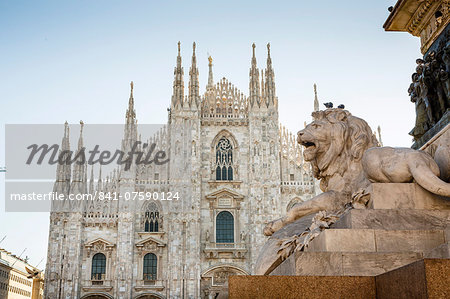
x: 72, y: 60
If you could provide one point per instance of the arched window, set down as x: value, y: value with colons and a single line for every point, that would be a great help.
x: 224, y: 227
x: 152, y: 220
x: 98, y: 267
x: 150, y: 266
x: 224, y: 160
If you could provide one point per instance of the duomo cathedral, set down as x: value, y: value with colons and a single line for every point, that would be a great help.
x: 232, y: 163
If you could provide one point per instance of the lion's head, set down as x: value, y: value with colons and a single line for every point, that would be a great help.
x: 334, y: 140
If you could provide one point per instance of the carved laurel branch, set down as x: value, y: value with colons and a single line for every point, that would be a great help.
x: 321, y: 221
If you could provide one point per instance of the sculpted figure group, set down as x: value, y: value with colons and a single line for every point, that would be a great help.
x: 430, y: 89
x: 345, y: 156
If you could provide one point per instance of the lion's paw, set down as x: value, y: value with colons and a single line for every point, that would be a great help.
x: 273, y: 226
x: 268, y: 231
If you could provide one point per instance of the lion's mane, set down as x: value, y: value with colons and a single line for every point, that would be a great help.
x: 350, y: 137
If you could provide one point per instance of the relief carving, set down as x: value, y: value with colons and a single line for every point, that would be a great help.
x: 430, y: 88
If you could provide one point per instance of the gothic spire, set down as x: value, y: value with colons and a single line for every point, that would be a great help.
x: 80, y: 139
x: 65, y: 144
x: 91, y: 181
x: 316, y: 100
x: 99, y: 181
x: 193, y: 80
x: 63, y: 170
x: 210, y: 74
x: 270, y: 80
x: 79, y: 170
x: 130, y: 128
x: 263, y: 94
x: 131, y: 113
x: 254, y: 89
x: 178, y: 82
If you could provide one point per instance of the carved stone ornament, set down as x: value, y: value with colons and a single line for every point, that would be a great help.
x: 430, y: 88
x: 150, y: 244
x: 99, y: 245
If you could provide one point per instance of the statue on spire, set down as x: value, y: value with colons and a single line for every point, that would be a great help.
x: 316, y: 100
x: 379, y: 135
x: 210, y: 74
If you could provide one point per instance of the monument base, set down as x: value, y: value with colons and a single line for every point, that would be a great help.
x: 426, y: 278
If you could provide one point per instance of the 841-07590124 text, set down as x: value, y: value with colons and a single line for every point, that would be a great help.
x: 134, y: 195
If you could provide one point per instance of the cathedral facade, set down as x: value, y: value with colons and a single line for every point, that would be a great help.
x: 234, y: 168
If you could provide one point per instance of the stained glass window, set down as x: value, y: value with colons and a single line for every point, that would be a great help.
x: 98, y: 266
x: 224, y: 160
x: 152, y: 219
x: 150, y: 266
x: 225, y: 227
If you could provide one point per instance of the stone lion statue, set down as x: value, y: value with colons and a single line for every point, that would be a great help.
x: 346, y: 157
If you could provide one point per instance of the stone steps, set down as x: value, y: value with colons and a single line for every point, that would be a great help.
x: 377, y: 240
x: 406, y: 219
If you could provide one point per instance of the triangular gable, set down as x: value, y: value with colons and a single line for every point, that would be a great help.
x: 159, y: 243
x: 106, y: 243
x: 226, y: 192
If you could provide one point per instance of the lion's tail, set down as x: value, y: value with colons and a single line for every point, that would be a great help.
x: 429, y: 180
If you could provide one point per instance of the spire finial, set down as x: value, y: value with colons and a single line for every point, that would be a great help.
x: 270, y: 80
x: 130, y: 114
x: 253, y: 46
x: 210, y: 74
x: 193, y: 79
x: 66, y: 129
x: 316, y: 100
x: 379, y: 135
x: 178, y: 83
x: 80, y: 140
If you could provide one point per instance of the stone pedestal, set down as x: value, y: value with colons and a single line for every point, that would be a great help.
x: 402, y: 224
x: 405, y: 197
x: 426, y: 278
x: 300, y: 287
x: 429, y: 278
